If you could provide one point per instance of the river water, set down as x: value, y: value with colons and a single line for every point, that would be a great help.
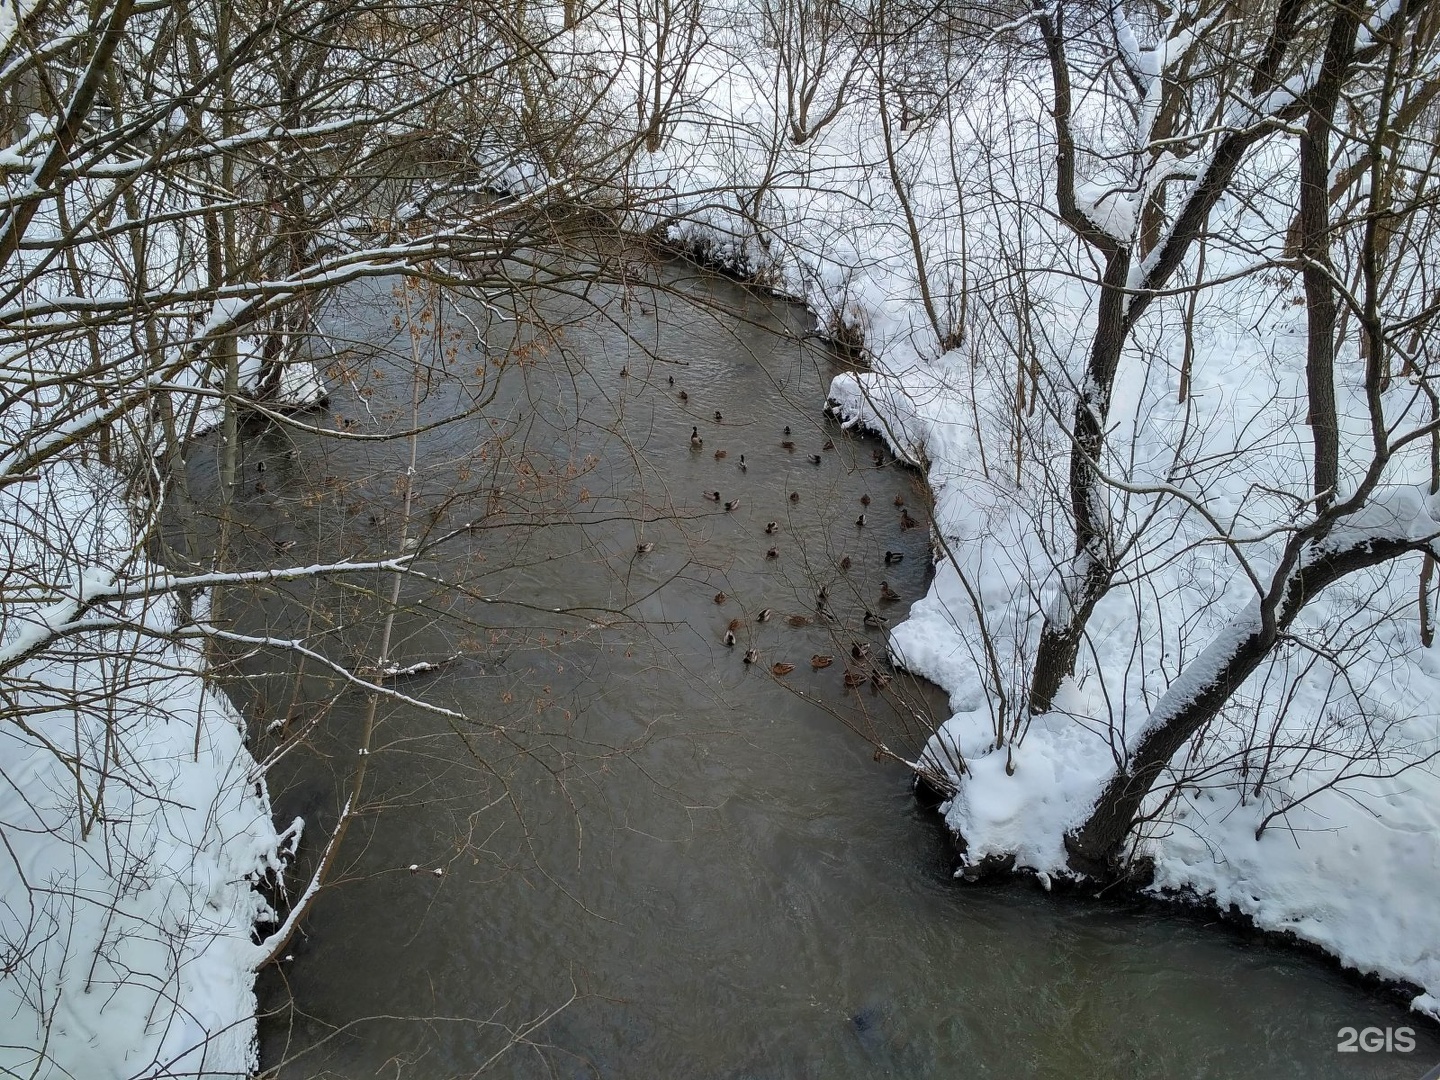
x: 624, y: 852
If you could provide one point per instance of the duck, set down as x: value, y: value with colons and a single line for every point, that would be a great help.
x: 645, y: 548
x: 743, y: 466
x: 731, y: 505
x: 781, y: 668
x: 283, y: 546
x: 624, y: 372
x: 684, y: 396
x: 860, y: 522
x: 720, y: 598
x: 893, y: 557
x: 854, y: 679
x: 878, y: 456
x: 719, y: 455
x: 906, y: 521
x: 860, y: 650
x: 695, y: 441
x: 899, y: 500
x: 823, y: 596
x: 871, y: 619
x: 718, y: 417
x: 845, y: 563
x: 729, y: 639
x: 734, y: 625
x: 259, y: 487
x: 771, y: 527
x: 879, y: 680
x: 713, y: 496
x: 788, y: 444
x: 752, y: 656
x: 819, y: 661
x: 829, y: 445
x: 794, y: 496
x: 815, y: 459
x: 798, y: 620
x: 672, y: 380
x: 764, y: 615
x: 787, y: 429
x: 887, y: 593
x: 773, y: 553
x: 864, y: 500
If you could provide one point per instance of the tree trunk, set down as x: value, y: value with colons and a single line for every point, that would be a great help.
x: 1196, y: 698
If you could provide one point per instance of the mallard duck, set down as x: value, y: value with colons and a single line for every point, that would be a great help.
x: 892, y: 557
x: 823, y: 596
x: 729, y: 639
x: 773, y: 553
x: 899, y: 500
x: 871, y: 619
x: 787, y: 429
x: 719, y: 455
x: 259, y: 487
x: 771, y: 527
x: 887, y: 593
x: 624, y: 372
x: 817, y: 661
x: 906, y: 521
x: 743, y: 466
x: 860, y: 522
x: 695, y: 441
x: 860, y: 650
x: 798, y: 620
x: 713, y: 496
x: 854, y: 679
x: 764, y: 615
x: 645, y: 548
x: 720, y: 598
x: 718, y: 417
x: 879, y: 680
x: 815, y: 459
x: 752, y: 656
x: 787, y: 445
x: 684, y: 396
x: 672, y: 380
x: 284, y: 545
x: 878, y: 456
x: 734, y: 625
x: 781, y: 668
x: 864, y: 500
x: 731, y: 505
x: 829, y: 445
x: 845, y: 563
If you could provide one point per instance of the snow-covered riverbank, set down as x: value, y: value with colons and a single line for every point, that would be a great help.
x: 136, y: 823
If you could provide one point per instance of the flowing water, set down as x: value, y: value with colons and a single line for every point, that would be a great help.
x: 624, y: 852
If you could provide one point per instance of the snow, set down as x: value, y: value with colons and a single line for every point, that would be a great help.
x: 129, y: 872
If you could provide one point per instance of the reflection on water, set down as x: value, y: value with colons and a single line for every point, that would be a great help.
x: 625, y: 852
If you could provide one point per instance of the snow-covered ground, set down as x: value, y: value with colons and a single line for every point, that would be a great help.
x: 135, y: 821
x: 1312, y: 803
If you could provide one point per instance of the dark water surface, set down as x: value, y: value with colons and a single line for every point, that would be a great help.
x: 657, y: 861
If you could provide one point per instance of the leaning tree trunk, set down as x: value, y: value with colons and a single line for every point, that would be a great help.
x: 1196, y: 697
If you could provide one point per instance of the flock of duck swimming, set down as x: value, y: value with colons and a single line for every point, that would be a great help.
x: 859, y: 651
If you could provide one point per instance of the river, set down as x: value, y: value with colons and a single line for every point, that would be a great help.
x: 637, y: 855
